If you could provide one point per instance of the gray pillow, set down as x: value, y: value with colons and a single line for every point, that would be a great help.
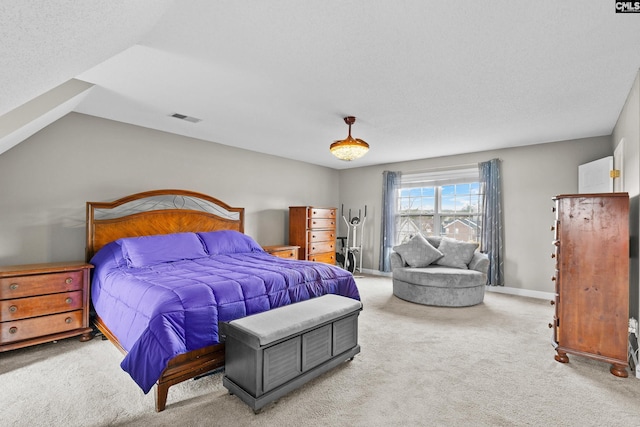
x: 434, y: 240
x: 456, y: 253
x: 418, y: 252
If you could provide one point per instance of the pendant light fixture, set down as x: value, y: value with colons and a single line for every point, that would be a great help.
x: 350, y: 148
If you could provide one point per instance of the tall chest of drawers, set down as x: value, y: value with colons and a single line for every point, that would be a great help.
x: 314, y: 230
x: 43, y: 302
x: 592, y: 278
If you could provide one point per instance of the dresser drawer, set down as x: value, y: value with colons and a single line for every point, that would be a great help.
x: 23, y: 308
x: 38, y: 284
x: 38, y: 326
x: 321, y: 236
x: 322, y: 213
x: 328, y: 257
x: 321, y: 247
x: 321, y: 224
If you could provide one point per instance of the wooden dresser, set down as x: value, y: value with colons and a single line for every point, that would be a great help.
x: 592, y: 278
x: 43, y: 302
x: 314, y: 230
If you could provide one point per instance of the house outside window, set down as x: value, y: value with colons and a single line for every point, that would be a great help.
x: 443, y: 203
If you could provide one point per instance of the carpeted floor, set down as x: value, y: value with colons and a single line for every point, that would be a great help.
x: 487, y: 365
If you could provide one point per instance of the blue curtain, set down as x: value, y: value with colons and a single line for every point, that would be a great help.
x: 390, y: 185
x: 492, y: 228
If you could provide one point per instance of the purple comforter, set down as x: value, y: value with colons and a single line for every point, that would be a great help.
x: 160, y: 305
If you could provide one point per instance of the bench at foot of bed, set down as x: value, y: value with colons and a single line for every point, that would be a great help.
x: 269, y: 354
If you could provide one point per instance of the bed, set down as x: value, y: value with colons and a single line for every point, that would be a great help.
x: 169, y: 265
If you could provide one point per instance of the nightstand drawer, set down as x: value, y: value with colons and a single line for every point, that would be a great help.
x: 38, y: 326
x: 38, y: 284
x: 282, y: 251
x: 23, y: 308
x: 286, y: 253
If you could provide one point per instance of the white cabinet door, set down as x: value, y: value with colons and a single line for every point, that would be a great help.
x: 593, y: 177
x: 618, y: 163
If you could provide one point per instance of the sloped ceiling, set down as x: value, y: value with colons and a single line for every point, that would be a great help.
x: 424, y: 78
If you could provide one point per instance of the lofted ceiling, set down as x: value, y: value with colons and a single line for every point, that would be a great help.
x: 424, y: 78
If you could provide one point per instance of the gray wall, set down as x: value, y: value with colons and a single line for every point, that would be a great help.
x: 532, y: 175
x: 46, y: 180
x: 627, y: 129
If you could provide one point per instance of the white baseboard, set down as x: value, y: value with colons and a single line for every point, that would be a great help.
x: 376, y: 272
x: 522, y: 292
x: 499, y: 289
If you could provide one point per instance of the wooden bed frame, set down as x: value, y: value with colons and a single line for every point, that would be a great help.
x: 162, y: 212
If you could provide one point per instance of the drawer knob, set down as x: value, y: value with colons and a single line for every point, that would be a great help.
x: 13, y: 309
x: 13, y: 330
x: 69, y: 300
x: 68, y: 320
x: 553, y: 279
x: 68, y: 281
x: 553, y: 255
x: 552, y: 228
x: 550, y: 325
x: 13, y: 286
x: 552, y: 302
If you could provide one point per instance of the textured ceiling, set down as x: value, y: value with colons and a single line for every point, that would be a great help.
x: 424, y: 78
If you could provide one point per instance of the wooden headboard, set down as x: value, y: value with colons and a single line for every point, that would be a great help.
x: 157, y: 212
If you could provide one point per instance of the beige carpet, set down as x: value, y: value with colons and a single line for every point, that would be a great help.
x: 488, y: 365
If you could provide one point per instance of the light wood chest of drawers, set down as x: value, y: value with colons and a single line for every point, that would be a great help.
x: 43, y: 302
x: 314, y: 230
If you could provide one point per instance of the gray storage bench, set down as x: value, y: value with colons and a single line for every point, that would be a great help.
x: 269, y: 354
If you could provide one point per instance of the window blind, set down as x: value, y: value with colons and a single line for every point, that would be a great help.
x: 440, y: 177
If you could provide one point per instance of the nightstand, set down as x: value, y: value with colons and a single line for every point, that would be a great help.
x: 43, y: 302
x: 282, y: 251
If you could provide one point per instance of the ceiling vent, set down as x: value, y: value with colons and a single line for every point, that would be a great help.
x: 186, y: 118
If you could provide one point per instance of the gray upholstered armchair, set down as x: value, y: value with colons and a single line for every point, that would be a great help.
x: 446, y: 273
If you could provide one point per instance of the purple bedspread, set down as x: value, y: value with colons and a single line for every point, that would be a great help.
x: 160, y: 310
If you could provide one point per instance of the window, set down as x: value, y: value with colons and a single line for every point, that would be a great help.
x: 445, y: 203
